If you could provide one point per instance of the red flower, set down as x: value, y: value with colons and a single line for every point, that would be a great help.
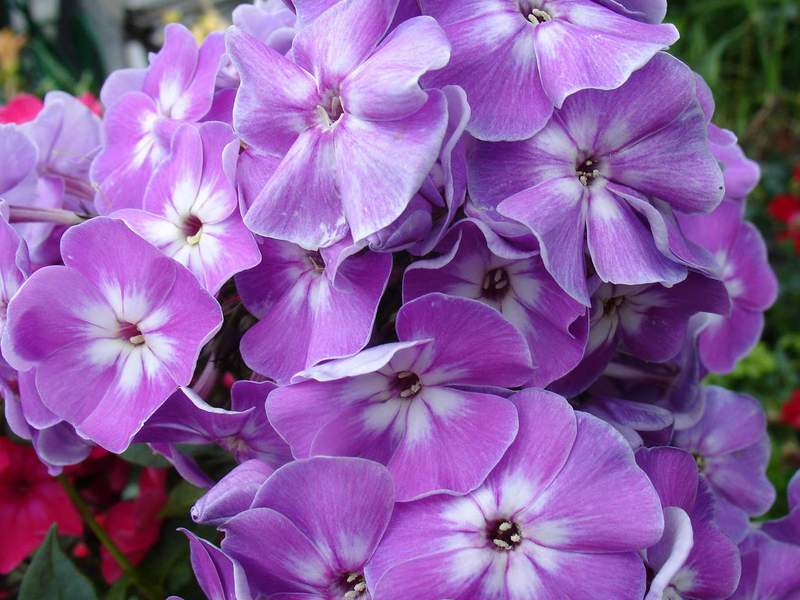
x: 134, y: 525
x: 100, y: 478
x: 30, y: 502
x: 786, y: 209
x: 20, y: 109
x: 790, y: 412
x: 796, y: 175
x: 90, y: 100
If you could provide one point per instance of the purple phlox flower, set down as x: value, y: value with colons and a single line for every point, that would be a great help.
x: 648, y: 321
x: 55, y: 441
x: 601, y: 176
x: 340, y: 112
x: 646, y: 401
x: 243, y: 431
x: 648, y: 11
x: 308, y: 10
x: 191, y: 210
x: 402, y: 403
x: 145, y: 109
x: 787, y: 529
x: 769, y: 569
x: 270, y: 21
x: 14, y: 264
x: 424, y: 222
x: 732, y: 448
x: 232, y: 494
x: 311, y: 305
x: 68, y: 135
x: 514, y: 283
x: 119, y: 318
x: 328, y: 514
x: 509, y: 54
x: 741, y: 262
x: 550, y: 521
x: 219, y: 576
x: 693, y: 559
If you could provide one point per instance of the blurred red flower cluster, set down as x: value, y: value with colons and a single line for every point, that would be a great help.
x: 24, y: 107
x: 786, y: 209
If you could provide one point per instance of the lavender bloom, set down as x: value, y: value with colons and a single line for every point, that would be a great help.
x: 741, y: 174
x: 145, y: 109
x: 601, y: 175
x: 732, y: 449
x: 219, y: 576
x: 514, y: 283
x: 741, y: 261
x: 693, y: 559
x: 431, y: 211
x: 329, y: 515
x: 232, y: 494
x: 509, y: 54
x: 68, y: 136
x: 550, y: 521
x: 339, y: 113
x: 787, y: 529
x: 647, y: 321
x: 244, y: 431
x: 769, y: 569
x: 191, y: 210
x: 648, y: 11
x: 269, y: 21
x: 312, y: 306
x: 118, y: 318
x: 402, y: 403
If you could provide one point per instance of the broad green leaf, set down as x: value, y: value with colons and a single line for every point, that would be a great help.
x: 52, y: 576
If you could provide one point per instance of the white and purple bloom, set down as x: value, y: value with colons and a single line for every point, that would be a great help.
x: 650, y: 322
x: 601, y: 176
x: 325, y: 517
x: 243, y: 431
x: 191, y: 209
x: 340, y: 112
x: 232, y: 494
x: 431, y: 394
x: 520, y: 59
x: 145, y: 107
x: 311, y: 305
x: 732, y: 448
x: 517, y: 285
x: 693, y: 559
x: 550, y: 521
x: 740, y: 256
x: 425, y: 221
x: 270, y: 21
x: 119, y: 319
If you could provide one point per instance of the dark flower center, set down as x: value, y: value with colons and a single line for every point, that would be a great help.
x: 130, y: 332
x: 611, y: 305
x: 330, y: 109
x: 496, y: 284
x: 701, y: 462
x: 504, y: 535
x: 354, y: 586
x: 587, y: 171
x: 407, y: 384
x: 533, y: 12
x: 193, y: 229
x: 315, y: 261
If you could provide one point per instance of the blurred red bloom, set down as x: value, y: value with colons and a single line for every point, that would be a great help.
x: 100, y: 478
x: 90, y: 100
x: 134, y: 525
x: 790, y: 412
x: 20, y: 109
x: 796, y: 175
x: 30, y: 502
x: 786, y: 209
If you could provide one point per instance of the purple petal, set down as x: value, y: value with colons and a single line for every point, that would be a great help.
x: 219, y: 576
x: 232, y: 494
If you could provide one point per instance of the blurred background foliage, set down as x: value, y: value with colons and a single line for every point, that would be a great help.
x: 747, y: 50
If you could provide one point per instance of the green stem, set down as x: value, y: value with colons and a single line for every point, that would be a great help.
x: 127, y: 567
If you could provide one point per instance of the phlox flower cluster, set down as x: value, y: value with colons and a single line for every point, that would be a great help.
x: 467, y: 261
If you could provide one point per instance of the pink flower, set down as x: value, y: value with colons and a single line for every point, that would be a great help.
x: 30, y: 501
x: 21, y: 109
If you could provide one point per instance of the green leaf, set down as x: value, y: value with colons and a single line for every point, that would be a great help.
x: 181, y: 498
x: 118, y: 591
x: 142, y: 455
x: 52, y: 575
